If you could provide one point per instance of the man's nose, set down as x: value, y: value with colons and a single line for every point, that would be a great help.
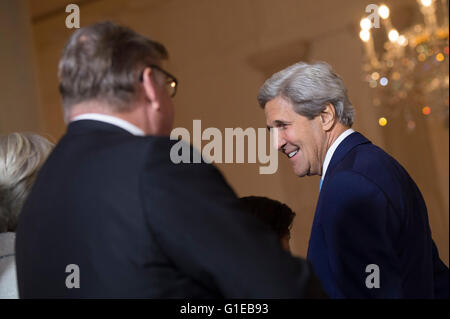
x: 278, y: 139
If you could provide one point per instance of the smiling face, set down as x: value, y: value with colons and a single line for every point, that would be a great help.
x: 302, y: 140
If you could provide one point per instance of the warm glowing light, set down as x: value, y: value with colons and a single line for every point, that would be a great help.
x: 384, y: 81
x: 393, y: 35
x: 365, y: 24
x: 383, y: 11
x: 442, y: 33
x: 426, y: 110
x: 173, y: 84
x: 440, y: 57
x: 396, y: 76
x: 422, y: 38
x: 422, y: 57
x: 402, y: 41
x: 364, y: 35
x: 426, y: 3
x: 382, y: 121
x: 411, y: 124
x: 375, y: 76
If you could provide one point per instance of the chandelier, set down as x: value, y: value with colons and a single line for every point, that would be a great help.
x: 408, y: 71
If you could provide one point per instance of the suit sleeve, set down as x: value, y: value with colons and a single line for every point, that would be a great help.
x: 357, y: 223
x: 441, y: 276
x: 196, y: 220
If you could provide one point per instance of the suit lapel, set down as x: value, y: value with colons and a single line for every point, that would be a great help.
x: 343, y: 149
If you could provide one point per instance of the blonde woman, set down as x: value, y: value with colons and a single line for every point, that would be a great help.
x: 21, y: 156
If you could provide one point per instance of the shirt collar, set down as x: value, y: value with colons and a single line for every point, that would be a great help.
x: 133, y: 129
x: 332, y: 149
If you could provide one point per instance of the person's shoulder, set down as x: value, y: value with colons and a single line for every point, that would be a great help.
x: 177, y: 152
x: 8, y: 287
x: 178, y: 159
x: 368, y: 167
x: 7, y: 240
x: 8, y: 280
x: 369, y: 160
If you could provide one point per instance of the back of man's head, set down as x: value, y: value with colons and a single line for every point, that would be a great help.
x: 102, y: 63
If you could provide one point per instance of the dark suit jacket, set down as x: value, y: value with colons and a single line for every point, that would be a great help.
x: 370, y: 211
x: 139, y: 226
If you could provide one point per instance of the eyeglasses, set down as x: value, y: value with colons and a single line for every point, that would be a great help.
x: 171, y: 81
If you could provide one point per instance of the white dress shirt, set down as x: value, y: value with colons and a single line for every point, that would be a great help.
x: 331, y: 151
x: 127, y: 126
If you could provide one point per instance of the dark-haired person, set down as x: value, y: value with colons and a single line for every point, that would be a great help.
x: 111, y: 216
x: 279, y: 217
x: 276, y: 215
x: 21, y: 156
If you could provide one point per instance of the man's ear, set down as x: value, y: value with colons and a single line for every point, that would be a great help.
x: 149, y: 85
x: 328, y: 117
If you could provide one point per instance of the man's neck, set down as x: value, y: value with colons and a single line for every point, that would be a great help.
x: 335, y: 133
x: 134, y: 117
x: 332, y: 136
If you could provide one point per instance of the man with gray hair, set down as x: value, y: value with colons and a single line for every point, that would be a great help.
x: 370, y: 236
x: 111, y: 216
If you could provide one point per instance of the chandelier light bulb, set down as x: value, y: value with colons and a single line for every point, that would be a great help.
x: 440, y: 57
x: 364, y: 35
x: 382, y: 121
x: 411, y: 125
x: 426, y: 110
x: 383, y: 11
x: 393, y: 35
x: 426, y: 3
x: 402, y: 41
x: 365, y: 24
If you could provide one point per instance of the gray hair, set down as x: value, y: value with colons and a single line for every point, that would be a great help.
x: 309, y: 87
x: 21, y: 156
x: 103, y: 62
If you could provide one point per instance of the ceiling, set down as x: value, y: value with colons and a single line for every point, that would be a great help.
x: 42, y: 9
